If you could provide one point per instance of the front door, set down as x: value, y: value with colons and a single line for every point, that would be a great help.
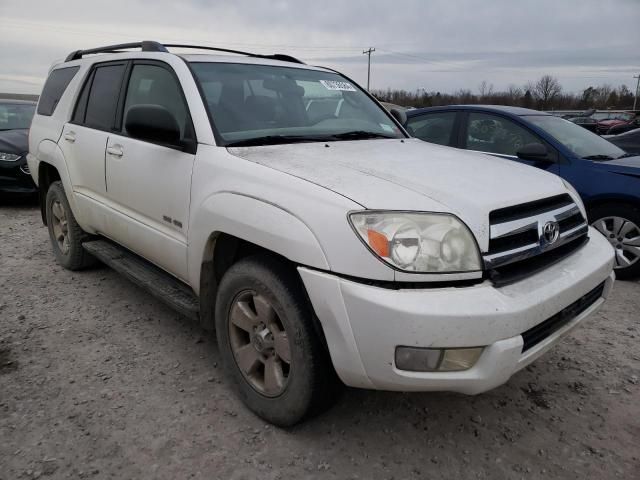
x: 149, y: 184
x: 503, y: 137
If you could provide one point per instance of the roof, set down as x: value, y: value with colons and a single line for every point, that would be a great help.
x: 150, y: 46
x: 518, y: 111
x: 13, y: 101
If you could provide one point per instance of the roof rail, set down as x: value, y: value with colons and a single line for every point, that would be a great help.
x: 276, y: 56
x: 145, y: 46
x: 150, y: 46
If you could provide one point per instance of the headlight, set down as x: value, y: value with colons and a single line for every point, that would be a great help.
x: 418, y: 242
x: 9, y: 157
x: 577, y: 197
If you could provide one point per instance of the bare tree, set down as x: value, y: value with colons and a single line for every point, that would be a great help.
x: 541, y: 94
x: 546, y: 89
x: 485, y: 90
x: 514, y: 93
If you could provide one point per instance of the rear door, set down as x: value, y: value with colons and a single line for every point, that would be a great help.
x: 503, y: 137
x: 149, y: 183
x: 84, y: 138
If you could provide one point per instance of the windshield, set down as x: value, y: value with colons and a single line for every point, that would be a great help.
x: 260, y: 104
x: 580, y: 141
x: 16, y: 116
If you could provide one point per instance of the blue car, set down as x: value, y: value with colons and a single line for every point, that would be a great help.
x: 607, y: 178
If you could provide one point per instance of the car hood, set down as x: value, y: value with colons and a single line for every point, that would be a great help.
x: 626, y: 166
x: 411, y: 175
x: 14, y: 141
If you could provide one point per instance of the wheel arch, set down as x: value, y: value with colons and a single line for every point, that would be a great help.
x: 51, y: 167
x: 244, y: 226
x: 601, y: 201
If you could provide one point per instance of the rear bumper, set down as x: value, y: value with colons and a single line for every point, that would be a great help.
x: 364, y: 324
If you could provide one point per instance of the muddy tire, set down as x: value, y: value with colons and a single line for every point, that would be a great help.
x: 64, y: 232
x: 270, y: 346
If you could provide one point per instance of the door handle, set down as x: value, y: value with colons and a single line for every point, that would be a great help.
x: 115, y: 151
x: 70, y: 137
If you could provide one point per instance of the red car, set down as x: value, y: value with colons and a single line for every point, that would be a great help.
x: 615, y: 120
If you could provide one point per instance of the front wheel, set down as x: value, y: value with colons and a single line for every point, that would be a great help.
x: 620, y: 224
x: 269, y: 344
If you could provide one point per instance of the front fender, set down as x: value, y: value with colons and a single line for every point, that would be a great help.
x: 254, y: 220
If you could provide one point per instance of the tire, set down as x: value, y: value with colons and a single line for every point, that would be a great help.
x: 307, y: 384
x: 61, y: 222
x: 620, y: 224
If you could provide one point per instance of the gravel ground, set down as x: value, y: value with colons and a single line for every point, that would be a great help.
x: 99, y: 380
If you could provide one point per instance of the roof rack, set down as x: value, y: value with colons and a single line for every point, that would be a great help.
x: 145, y: 46
x: 150, y: 46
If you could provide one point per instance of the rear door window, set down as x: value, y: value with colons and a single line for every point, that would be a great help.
x: 436, y: 127
x: 103, y: 97
x: 54, y: 87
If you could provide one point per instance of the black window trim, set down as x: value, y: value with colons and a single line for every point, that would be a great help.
x: 464, y: 126
x: 117, y: 121
x: 76, y: 68
x: 88, y: 83
x: 189, y: 147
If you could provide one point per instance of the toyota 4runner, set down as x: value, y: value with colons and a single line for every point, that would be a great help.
x: 281, y: 206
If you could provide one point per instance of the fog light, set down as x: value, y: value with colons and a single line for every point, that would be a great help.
x: 436, y: 359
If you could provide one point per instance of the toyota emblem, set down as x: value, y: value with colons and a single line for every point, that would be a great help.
x: 551, y: 232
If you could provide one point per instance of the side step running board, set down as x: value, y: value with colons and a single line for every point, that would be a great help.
x: 146, y: 275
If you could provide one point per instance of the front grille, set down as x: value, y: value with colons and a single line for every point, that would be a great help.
x: 25, y: 169
x: 537, y: 334
x: 517, y: 233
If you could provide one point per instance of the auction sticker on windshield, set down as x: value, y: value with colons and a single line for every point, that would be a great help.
x: 339, y: 86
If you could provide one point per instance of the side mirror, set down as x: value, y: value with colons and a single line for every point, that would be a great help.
x: 533, y: 151
x: 399, y: 115
x: 153, y: 123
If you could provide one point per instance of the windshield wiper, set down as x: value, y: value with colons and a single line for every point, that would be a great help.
x: 358, y: 135
x: 625, y: 155
x: 598, y: 157
x: 276, y: 140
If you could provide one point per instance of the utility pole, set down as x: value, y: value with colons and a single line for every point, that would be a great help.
x: 369, y: 52
x: 635, y: 98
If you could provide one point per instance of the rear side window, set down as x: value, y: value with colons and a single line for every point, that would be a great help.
x: 103, y: 97
x: 434, y: 127
x: 53, y: 89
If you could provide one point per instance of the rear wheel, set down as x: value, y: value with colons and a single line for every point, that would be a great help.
x: 269, y: 345
x: 65, y: 233
x: 620, y: 224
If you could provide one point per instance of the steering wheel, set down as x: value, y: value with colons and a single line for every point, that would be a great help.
x: 322, y: 118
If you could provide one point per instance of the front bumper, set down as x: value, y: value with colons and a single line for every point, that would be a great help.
x: 15, y: 177
x: 363, y: 324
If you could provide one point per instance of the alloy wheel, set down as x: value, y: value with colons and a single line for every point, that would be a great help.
x: 259, y: 343
x: 624, y: 236
x: 60, y: 226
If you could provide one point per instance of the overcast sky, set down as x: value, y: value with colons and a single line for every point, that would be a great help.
x: 439, y: 45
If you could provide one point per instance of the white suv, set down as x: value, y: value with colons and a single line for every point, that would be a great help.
x: 280, y: 204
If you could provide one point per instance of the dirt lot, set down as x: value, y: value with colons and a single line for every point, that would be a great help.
x: 99, y: 380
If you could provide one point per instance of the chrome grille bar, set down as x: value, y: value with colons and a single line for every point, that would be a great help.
x: 534, y: 233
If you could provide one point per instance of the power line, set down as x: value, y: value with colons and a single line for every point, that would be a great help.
x: 369, y: 52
